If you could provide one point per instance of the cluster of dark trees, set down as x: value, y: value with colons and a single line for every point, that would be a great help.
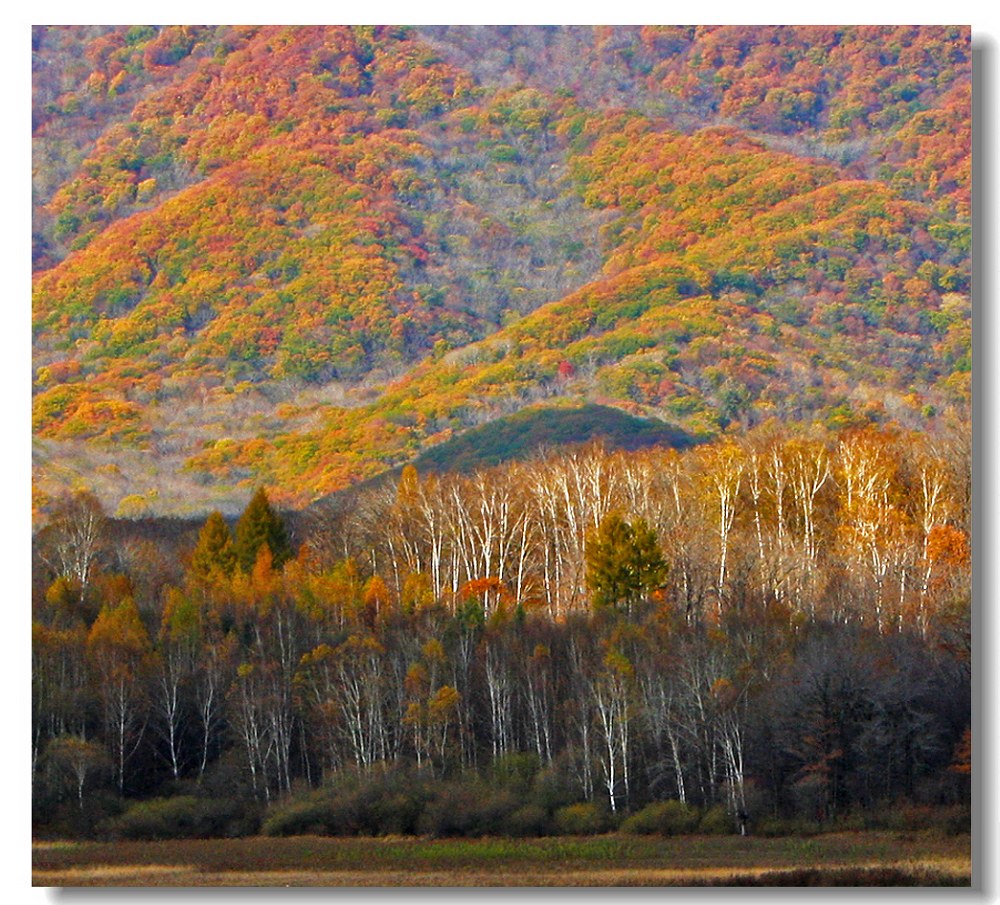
x: 777, y: 628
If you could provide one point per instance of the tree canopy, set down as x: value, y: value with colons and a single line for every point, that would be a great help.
x: 260, y: 525
x: 624, y: 561
x: 215, y: 551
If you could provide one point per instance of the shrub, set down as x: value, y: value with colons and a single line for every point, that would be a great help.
x: 667, y: 818
x: 450, y: 813
x: 65, y: 819
x: 467, y: 809
x: 528, y: 820
x: 716, y: 822
x: 958, y: 821
x: 583, y: 819
x: 389, y: 803
x: 181, y: 817
x: 337, y: 809
x: 903, y: 817
x: 396, y: 813
x: 554, y: 787
x: 516, y: 772
x: 298, y: 818
x: 377, y: 805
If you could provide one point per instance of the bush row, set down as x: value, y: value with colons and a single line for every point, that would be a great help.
x: 514, y: 799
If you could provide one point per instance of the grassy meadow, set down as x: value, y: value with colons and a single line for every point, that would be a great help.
x: 868, y: 858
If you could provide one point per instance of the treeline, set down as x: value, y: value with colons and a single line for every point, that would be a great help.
x: 776, y: 628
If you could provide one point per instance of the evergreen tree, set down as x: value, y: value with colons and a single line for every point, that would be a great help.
x: 624, y: 562
x: 215, y: 551
x: 260, y: 525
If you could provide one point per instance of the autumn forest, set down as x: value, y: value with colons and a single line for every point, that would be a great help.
x: 520, y: 431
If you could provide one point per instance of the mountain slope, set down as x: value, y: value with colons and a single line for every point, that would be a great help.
x: 793, y: 301
x: 306, y: 254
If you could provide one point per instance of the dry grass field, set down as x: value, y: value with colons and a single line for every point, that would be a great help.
x: 836, y: 859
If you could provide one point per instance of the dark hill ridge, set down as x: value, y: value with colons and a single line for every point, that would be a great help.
x: 531, y: 431
x: 305, y: 256
x: 539, y: 427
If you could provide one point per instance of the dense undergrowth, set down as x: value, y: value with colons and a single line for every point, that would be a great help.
x: 514, y: 799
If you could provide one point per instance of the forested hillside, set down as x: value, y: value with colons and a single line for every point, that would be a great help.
x: 653, y: 641
x: 301, y: 256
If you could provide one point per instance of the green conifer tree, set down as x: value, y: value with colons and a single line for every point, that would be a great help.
x: 624, y: 562
x: 260, y: 525
x: 215, y: 551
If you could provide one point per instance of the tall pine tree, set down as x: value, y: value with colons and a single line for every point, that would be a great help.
x: 260, y: 525
x: 215, y: 551
x: 624, y: 562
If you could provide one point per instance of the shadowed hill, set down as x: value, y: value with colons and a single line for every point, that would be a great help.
x: 532, y: 429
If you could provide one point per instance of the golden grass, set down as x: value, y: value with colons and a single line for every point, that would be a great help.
x: 187, y: 877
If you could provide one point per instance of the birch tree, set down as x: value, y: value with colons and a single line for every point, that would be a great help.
x: 74, y: 539
x: 611, y: 691
x: 118, y: 650
x: 723, y: 473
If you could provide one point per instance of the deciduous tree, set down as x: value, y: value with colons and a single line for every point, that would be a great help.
x: 119, y: 648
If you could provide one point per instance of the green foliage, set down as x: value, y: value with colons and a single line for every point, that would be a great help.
x: 437, y: 666
x: 528, y: 820
x: 665, y: 818
x: 139, y: 34
x: 379, y: 253
x: 554, y: 787
x: 259, y: 526
x: 181, y: 817
x: 467, y: 809
x: 285, y: 244
x: 61, y: 817
x: 215, y: 550
x: 516, y: 772
x: 389, y: 803
x: 624, y: 562
x: 519, y: 435
x: 320, y: 814
x: 582, y: 819
x: 399, y: 803
x: 716, y: 821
